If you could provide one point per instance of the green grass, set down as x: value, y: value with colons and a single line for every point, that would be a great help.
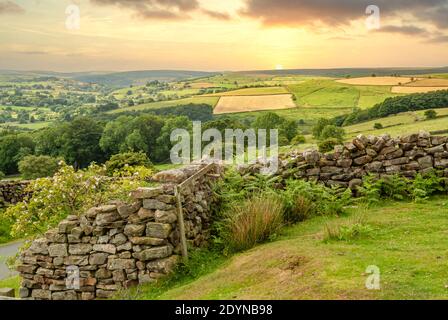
x: 253, y: 92
x: 317, y: 93
x: 5, y: 228
x: 13, y: 283
x: 30, y: 126
x: 401, y: 124
x: 165, y: 104
x: 407, y: 242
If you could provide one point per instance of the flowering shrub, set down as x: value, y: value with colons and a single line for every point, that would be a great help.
x: 69, y: 192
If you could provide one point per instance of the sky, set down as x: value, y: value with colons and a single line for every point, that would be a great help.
x: 221, y: 35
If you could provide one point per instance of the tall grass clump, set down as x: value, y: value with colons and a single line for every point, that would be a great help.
x: 352, y: 229
x: 254, y: 221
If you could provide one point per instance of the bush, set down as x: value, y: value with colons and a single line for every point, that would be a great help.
x: 33, y: 167
x: 69, y: 192
x: 355, y: 228
x: 298, y: 139
x: 332, y: 132
x: 120, y: 162
x: 378, y: 126
x: 2, y: 175
x: 430, y: 114
x: 328, y: 144
x: 254, y: 221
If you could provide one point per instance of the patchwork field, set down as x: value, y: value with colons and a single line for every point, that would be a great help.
x: 411, y: 89
x: 252, y: 92
x: 234, y: 104
x: 429, y: 83
x: 376, y: 81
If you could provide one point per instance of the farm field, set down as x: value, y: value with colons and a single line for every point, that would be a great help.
x: 376, y: 81
x: 411, y: 89
x: 428, y: 83
x: 251, y: 92
x: 172, y: 103
x: 401, y: 124
x: 234, y: 104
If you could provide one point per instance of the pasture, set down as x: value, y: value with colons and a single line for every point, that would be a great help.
x: 376, y: 81
x: 251, y: 92
x: 234, y: 104
x: 410, y: 89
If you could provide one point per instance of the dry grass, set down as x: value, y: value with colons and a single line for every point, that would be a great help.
x: 409, y: 89
x: 253, y: 222
x: 376, y: 81
x: 202, y: 85
x: 251, y: 92
x: 235, y: 104
x: 429, y: 83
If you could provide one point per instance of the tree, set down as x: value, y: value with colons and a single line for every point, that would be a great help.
x: 33, y: 167
x: 332, y: 132
x: 132, y: 159
x: 80, y: 142
x: 13, y: 147
x: 430, y: 114
x: 377, y: 126
x: 328, y: 145
x: 319, y: 127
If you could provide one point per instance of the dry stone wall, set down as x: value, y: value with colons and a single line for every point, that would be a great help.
x: 118, y: 245
x: 382, y: 156
x: 12, y: 192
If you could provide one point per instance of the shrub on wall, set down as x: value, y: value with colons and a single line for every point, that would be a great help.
x: 122, y: 161
x: 69, y: 192
x: 33, y: 167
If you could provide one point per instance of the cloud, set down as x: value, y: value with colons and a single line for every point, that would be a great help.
x: 10, y: 7
x: 155, y: 9
x: 341, y: 12
x: 439, y: 39
x: 163, y: 9
x: 406, y: 30
x: 31, y: 52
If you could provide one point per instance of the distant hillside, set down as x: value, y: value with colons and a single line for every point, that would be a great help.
x: 124, y: 79
x: 354, y: 72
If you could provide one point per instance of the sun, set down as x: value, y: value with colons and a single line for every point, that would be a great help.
x: 278, y: 67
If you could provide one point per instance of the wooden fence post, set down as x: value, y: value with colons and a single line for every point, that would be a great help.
x: 180, y: 219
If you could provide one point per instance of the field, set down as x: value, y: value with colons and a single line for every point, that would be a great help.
x: 172, y: 103
x: 252, y: 92
x: 233, y: 104
x: 407, y: 243
x: 376, y: 81
x: 401, y: 124
x: 410, y: 89
x: 429, y: 83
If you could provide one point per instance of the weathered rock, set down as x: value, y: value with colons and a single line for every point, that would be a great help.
x: 120, y: 264
x: 134, y: 230
x: 108, y: 248
x: 154, y: 204
x: 158, y: 230
x: 78, y: 249
x: 153, y: 253
x: 165, y: 216
x: 98, y: 258
x: 58, y: 250
x: 425, y: 162
x: 147, y: 241
x: 146, y: 193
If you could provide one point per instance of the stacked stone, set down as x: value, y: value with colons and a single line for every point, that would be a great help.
x: 12, y: 192
x: 383, y: 156
x: 115, y: 246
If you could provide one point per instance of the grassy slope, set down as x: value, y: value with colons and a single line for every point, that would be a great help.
x: 408, y: 243
x: 252, y: 92
x: 164, y: 104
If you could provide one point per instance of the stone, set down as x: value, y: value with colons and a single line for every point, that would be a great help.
x: 441, y: 163
x: 134, y: 230
x: 120, y: 264
x: 163, y: 265
x: 76, y: 260
x: 344, y: 163
x: 412, y: 138
x: 425, y: 162
x: 332, y: 170
x: 78, y: 249
x: 64, y: 295
x: 355, y: 183
x: 106, y: 218
x: 41, y: 294
x: 125, y: 247
x: 436, y: 140
x: 145, y: 193
x: 147, y: 241
x: 395, y: 162
x: 66, y: 226
x: 414, y: 165
x: 158, y: 230
x: 57, y: 250
x: 153, y: 253
x: 439, y: 148
x: 119, y: 239
x: 350, y: 146
x: 53, y: 236
x: 98, y: 258
x: 363, y: 160
x: 396, y: 154
x: 165, y: 216
x: 104, y: 294
x: 154, y: 204
x: 103, y: 273
x: 24, y: 292
x: 39, y: 246
x: 25, y: 268
x: 108, y: 248
x: 7, y: 292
